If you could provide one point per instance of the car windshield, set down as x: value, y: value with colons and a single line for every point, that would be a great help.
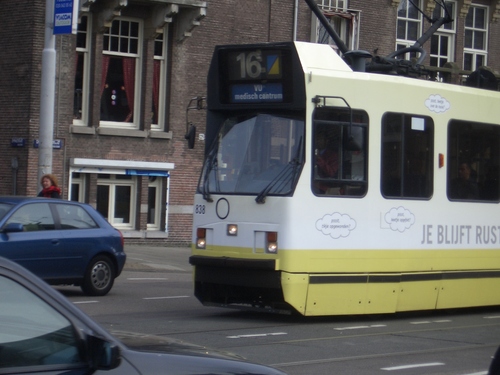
x: 259, y: 154
x: 4, y: 208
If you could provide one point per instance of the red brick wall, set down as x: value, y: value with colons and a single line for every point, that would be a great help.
x: 227, y: 22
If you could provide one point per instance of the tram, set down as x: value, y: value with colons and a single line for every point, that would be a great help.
x: 328, y: 190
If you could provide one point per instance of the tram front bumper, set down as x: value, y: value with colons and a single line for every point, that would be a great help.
x: 238, y: 283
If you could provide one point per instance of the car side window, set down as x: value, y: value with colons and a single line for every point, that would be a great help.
x: 74, y: 217
x: 33, y: 217
x: 33, y: 334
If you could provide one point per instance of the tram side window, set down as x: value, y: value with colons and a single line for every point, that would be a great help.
x: 407, y: 156
x: 473, y: 165
x: 340, y: 149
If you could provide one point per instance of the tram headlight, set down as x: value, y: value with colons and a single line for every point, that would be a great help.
x: 272, y: 242
x: 232, y: 230
x: 201, y: 238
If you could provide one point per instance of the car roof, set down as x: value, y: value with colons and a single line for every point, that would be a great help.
x: 17, y: 199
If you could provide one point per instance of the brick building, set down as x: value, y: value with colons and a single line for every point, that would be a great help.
x: 125, y: 85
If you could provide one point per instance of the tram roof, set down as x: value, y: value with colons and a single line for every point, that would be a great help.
x: 320, y: 56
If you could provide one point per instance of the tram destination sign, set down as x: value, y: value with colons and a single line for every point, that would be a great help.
x: 257, y: 93
x: 255, y: 75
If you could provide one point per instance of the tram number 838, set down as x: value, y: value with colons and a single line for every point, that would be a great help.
x: 199, y: 209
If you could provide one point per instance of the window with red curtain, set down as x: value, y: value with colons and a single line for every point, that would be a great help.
x: 121, y: 51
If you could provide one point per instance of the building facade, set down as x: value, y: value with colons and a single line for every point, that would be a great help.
x: 132, y: 80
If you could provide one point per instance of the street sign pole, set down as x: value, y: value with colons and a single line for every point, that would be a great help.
x: 47, y: 94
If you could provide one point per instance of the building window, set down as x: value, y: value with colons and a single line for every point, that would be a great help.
x: 443, y: 40
x: 120, y: 99
x: 154, y: 206
x: 116, y: 199
x: 159, y: 81
x: 81, y: 96
x: 344, y: 21
x: 407, y: 156
x: 77, y: 187
x: 334, y: 4
x: 473, y: 161
x: 409, y: 26
x: 476, y: 37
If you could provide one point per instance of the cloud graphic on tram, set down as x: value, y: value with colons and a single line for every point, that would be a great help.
x: 399, y: 219
x: 336, y: 225
x: 437, y: 104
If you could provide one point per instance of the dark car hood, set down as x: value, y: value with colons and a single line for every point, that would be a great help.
x: 159, y: 344
x: 181, y: 364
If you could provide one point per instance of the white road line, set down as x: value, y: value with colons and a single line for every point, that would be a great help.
x: 492, y: 317
x: 146, y: 278
x: 82, y: 302
x: 360, y: 327
x: 256, y: 335
x: 171, y: 297
x: 432, y: 321
x: 478, y: 373
x: 404, y: 367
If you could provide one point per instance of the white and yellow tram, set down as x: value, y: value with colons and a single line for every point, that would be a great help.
x: 393, y: 225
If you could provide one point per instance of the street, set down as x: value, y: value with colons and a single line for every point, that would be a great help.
x: 154, y: 296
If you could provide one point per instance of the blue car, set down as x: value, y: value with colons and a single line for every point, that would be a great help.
x: 62, y: 242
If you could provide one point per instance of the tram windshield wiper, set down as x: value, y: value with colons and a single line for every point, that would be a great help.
x: 284, y: 177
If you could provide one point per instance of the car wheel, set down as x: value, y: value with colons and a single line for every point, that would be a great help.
x: 99, y: 277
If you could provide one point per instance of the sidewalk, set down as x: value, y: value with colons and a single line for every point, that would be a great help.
x: 157, y: 258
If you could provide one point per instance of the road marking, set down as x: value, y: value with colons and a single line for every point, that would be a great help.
x: 360, y: 327
x: 81, y: 302
x: 171, y: 297
x: 478, y: 373
x: 492, y: 317
x: 431, y: 321
x: 257, y: 335
x: 146, y: 278
x: 404, y: 367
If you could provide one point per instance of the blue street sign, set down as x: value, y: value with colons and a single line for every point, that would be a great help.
x: 56, y: 143
x: 63, y: 16
x: 17, y: 142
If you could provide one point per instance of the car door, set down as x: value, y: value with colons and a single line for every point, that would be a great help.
x: 38, y: 246
x: 80, y: 235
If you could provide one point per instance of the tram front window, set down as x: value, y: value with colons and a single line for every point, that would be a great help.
x: 259, y: 154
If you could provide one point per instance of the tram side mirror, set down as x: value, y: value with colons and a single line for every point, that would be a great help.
x: 190, y: 136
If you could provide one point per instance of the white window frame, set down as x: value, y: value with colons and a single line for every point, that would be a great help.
x: 137, y: 89
x: 160, y: 126
x: 333, y: 4
x: 473, y: 51
x: 157, y: 184
x: 123, y: 167
x: 346, y: 22
x: 404, y: 43
x: 81, y: 181
x: 113, y: 183
x: 448, y: 31
x: 83, y: 121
